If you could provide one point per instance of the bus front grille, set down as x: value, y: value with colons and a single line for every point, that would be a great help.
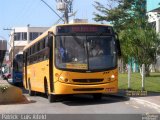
x: 87, y: 80
x: 88, y: 89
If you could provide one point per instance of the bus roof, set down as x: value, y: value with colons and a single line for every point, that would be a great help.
x: 54, y: 27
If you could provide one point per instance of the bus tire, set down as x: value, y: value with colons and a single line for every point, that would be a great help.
x: 30, y: 92
x: 45, y: 87
x: 97, y: 96
x: 52, y: 98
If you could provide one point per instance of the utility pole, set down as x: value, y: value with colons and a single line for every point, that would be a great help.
x: 65, y: 6
x: 129, y: 76
x: 12, y: 56
x: 143, y: 76
x: 66, y: 19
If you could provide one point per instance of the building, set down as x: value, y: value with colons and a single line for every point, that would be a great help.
x: 22, y: 36
x: 6, y: 62
x: 154, y: 20
x: 3, y: 49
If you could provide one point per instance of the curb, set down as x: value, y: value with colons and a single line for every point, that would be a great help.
x: 122, y: 97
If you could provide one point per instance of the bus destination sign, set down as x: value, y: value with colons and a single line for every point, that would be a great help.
x: 84, y: 29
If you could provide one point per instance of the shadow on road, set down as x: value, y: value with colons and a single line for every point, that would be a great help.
x: 79, y: 100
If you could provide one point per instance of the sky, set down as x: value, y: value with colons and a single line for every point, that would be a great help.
x: 152, y: 4
x: 20, y: 13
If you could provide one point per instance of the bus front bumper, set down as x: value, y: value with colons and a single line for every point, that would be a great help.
x: 63, y: 88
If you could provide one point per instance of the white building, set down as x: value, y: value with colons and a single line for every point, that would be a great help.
x: 154, y: 19
x: 3, y: 49
x: 22, y: 36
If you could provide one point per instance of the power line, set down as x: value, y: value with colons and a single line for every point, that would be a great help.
x: 52, y: 10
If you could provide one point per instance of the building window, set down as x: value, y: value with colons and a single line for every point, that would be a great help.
x: 24, y: 35
x: 17, y: 36
x: 20, y: 36
x: 34, y: 35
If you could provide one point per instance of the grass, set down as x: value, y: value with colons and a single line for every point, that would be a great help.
x: 152, y: 83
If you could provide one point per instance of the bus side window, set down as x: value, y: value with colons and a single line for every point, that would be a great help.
x: 24, y: 58
x: 46, y: 42
x: 38, y: 47
x: 43, y: 43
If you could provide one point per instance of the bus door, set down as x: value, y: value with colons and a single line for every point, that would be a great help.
x: 50, y: 45
x: 25, y: 68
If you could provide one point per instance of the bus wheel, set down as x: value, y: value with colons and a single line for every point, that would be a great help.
x: 45, y: 87
x: 97, y: 96
x: 30, y: 92
x: 52, y: 98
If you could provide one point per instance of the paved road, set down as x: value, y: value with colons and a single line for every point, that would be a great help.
x: 84, y: 104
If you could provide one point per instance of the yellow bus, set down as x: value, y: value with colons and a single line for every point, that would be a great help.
x: 72, y: 59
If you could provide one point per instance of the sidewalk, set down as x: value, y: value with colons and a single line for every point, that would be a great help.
x: 151, y: 97
x: 3, y: 81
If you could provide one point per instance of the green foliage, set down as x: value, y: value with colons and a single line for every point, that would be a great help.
x: 140, y: 43
x: 138, y: 40
x: 122, y: 15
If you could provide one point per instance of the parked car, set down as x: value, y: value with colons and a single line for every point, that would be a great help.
x: 6, y: 76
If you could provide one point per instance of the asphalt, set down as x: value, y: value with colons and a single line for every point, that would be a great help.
x: 151, y: 97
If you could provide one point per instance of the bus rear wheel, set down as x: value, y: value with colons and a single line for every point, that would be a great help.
x: 97, y: 96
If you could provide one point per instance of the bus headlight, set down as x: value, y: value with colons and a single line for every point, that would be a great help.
x: 62, y: 79
x: 110, y: 79
x: 112, y: 76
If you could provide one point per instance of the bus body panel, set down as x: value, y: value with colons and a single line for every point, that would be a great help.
x: 36, y: 74
x: 17, y: 75
x: 107, y: 88
x: 60, y: 87
x: 85, y: 81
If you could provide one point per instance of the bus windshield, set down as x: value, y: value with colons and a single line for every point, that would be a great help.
x: 85, y: 52
x: 18, y: 63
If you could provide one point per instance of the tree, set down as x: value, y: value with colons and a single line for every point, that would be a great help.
x: 122, y: 15
x: 138, y: 40
x: 140, y: 44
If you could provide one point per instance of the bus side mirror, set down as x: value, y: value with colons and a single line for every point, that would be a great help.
x: 50, y: 39
x: 118, y: 45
